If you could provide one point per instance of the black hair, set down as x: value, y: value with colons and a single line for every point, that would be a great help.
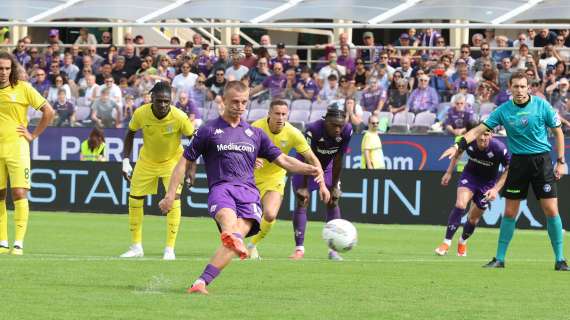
x: 161, y: 87
x: 335, y: 111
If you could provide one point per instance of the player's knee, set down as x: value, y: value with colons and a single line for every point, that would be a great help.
x: 474, y: 220
x: 460, y: 204
x: 269, y: 215
x: 19, y: 193
x: 302, y: 199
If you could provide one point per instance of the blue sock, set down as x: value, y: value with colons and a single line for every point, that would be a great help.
x: 554, y: 226
x: 505, y: 236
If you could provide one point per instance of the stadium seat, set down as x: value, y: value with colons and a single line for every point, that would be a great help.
x: 82, y: 113
x: 365, y: 116
x: 384, y: 114
x: 442, y: 110
x: 319, y: 105
x: 299, y: 115
x: 263, y: 105
x: 423, y: 122
x: 255, y: 114
x: 317, y: 115
x: 301, y: 104
x: 402, y: 122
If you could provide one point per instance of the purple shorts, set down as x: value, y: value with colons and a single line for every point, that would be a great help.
x: 478, y: 188
x: 243, y: 200
x: 299, y: 181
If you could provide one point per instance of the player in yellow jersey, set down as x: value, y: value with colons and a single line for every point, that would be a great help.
x: 162, y: 126
x: 270, y: 179
x: 16, y: 97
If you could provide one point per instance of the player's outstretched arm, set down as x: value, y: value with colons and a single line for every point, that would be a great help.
x: 178, y: 174
x: 462, y: 144
x: 47, y: 117
x: 311, y: 158
x: 127, y: 149
x: 295, y: 166
x: 559, y: 139
x: 449, y: 172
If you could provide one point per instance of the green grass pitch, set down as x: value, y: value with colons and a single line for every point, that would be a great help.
x: 70, y: 270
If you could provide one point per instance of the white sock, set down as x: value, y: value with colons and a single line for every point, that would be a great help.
x: 168, y: 250
x: 198, y: 281
x: 461, y: 241
x: 447, y: 241
x: 136, y: 246
x: 19, y: 244
x: 4, y: 243
x: 301, y: 248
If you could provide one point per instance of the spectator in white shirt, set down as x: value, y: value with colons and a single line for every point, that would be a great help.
x: 115, y: 93
x: 331, y: 68
x: 236, y: 71
x: 184, y: 81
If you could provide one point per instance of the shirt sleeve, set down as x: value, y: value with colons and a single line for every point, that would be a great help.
x: 300, y: 143
x: 494, y: 120
x: 197, y: 146
x: 267, y: 149
x: 551, y: 118
x: 135, y: 123
x: 187, y: 127
x: 35, y: 99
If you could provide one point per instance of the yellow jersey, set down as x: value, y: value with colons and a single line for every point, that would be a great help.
x: 161, y: 138
x: 371, y: 141
x: 14, y: 103
x: 289, y: 138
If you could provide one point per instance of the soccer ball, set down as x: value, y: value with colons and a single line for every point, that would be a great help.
x: 340, y: 235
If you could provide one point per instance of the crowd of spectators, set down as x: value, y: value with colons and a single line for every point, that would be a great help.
x: 102, y: 86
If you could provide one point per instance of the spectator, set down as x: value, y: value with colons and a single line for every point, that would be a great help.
x: 372, y: 155
x: 274, y: 83
x: 398, y: 99
x: 84, y: 73
x: 183, y: 82
x: 128, y: 110
x: 174, y: 52
x: 93, y: 149
x: 306, y: 88
x: 490, y: 37
x: 462, y: 76
x: 561, y: 49
x: 115, y: 92
x: 21, y: 53
x: 40, y: 82
x: 485, y: 93
x: 441, y: 49
x: 354, y: 114
x: 236, y: 71
x: 165, y: 69
x: 560, y: 70
x: 258, y: 74
x: 60, y: 83
x: 187, y: 105
x: 373, y: 97
x: 331, y: 68
x: 330, y: 92
x: 396, y: 77
x: 368, y: 55
x: 289, y: 90
x: 564, y: 114
x: 53, y: 36
x: 487, y: 65
x: 346, y: 88
x: 440, y: 82
x: 105, y: 112
x: 465, y: 55
x: 405, y: 41
x: 544, y: 38
x: 119, y: 70
x: 522, y: 39
x: 476, y: 41
x: 54, y: 70
x: 197, y: 41
x: 205, y: 61
x: 360, y: 74
x: 34, y: 59
x: 91, y: 89
x: 96, y: 60
x: 69, y: 68
x: 548, y: 59
x: 558, y: 91
x: 223, y: 60
x: 521, y: 58
x: 531, y: 36
x: 406, y: 68
x: 459, y: 118
x: 128, y: 38
x: 345, y: 60
x: 536, y: 88
x: 65, y: 110
x: 463, y: 89
x: 428, y: 38
x: 381, y: 72
x: 126, y: 89
x: 565, y: 33
x: 505, y: 73
x: 132, y: 61
x: 499, y: 54
x: 265, y: 41
x: 424, y: 97
x: 485, y: 56
x: 249, y: 60
x: 216, y: 84
x: 281, y: 57
x: 106, y: 71
x: 105, y: 40
x: 296, y: 65
x: 199, y: 93
x: 85, y: 38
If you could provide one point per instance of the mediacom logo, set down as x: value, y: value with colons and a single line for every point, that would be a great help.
x: 240, y: 147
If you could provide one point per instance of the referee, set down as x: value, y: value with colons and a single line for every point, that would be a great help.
x: 526, y: 119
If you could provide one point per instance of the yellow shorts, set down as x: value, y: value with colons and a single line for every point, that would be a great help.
x: 15, y: 164
x: 264, y: 185
x: 145, y: 177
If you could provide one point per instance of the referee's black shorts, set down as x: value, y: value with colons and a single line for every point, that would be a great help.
x: 534, y: 169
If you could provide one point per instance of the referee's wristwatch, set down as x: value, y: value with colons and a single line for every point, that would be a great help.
x: 561, y: 161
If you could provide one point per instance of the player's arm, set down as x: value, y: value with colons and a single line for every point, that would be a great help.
x: 492, y: 193
x: 176, y: 177
x: 449, y: 172
x: 295, y: 166
x: 560, y: 159
x: 47, y: 117
x: 312, y: 159
x: 464, y: 141
x: 336, y: 169
x: 127, y: 149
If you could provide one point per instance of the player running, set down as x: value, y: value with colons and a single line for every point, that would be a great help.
x: 230, y: 147
x: 270, y: 179
x: 478, y: 184
x: 329, y: 139
x: 15, y: 98
x: 162, y: 126
x: 526, y: 119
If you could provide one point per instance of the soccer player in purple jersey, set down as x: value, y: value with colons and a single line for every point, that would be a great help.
x: 478, y: 183
x: 328, y: 138
x: 230, y: 147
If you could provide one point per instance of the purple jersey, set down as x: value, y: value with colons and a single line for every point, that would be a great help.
x: 483, y: 165
x: 276, y: 84
x: 229, y: 153
x: 459, y: 119
x: 326, y: 148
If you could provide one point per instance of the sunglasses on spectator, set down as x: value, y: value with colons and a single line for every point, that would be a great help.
x: 219, y: 74
x: 342, y: 81
x: 86, y: 71
x: 108, y: 81
x: 560, y: 40
x: 40, y: 74
x: 33, y: 52
x: 128, y: 39
x: 383, y: 57
x: 464, y: 51
x: 424, y: 80
x: 374, y: 123
x: 484, y: 49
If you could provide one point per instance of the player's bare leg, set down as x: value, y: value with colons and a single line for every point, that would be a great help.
x: 473, y: 217
x: 463, y: 197
x: 300, y: 223
x: 21, y: 214
x: 233, y: 229
x: 4, y: 246
x: 270, y: 203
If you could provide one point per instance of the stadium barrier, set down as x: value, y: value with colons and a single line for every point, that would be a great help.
x: 401, y: 152
x: 380, y: 196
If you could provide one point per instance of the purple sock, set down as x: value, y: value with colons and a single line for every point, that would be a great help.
x: 238, y: 235
x: 468, y: 229
x: 299, y: 225
x: 333, y: 213
x: 210, y: 273
x: 453, y: 222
